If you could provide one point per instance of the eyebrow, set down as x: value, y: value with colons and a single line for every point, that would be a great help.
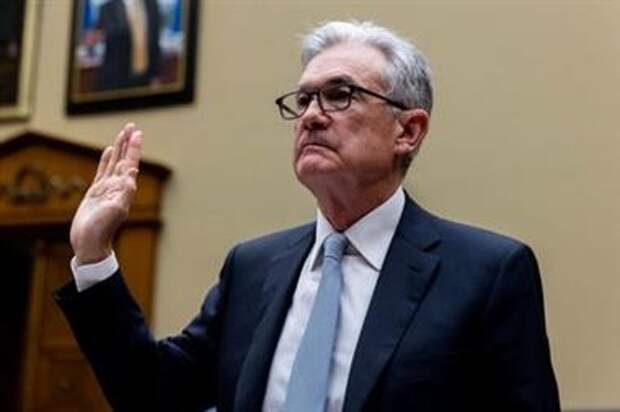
x: 334, y: 81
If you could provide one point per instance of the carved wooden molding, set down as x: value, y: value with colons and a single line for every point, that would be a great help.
x: 33, y: 185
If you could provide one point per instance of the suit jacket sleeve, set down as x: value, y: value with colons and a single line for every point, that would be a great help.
x: 515, y: 339
x: 135, y: 371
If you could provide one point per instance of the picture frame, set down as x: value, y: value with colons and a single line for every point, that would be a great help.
x: 131, y: 54
x: 18, y: 32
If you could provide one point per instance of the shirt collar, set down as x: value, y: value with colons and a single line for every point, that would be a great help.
x: 371, y: 235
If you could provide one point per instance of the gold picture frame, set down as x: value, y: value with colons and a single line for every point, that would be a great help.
x: 18, y: 33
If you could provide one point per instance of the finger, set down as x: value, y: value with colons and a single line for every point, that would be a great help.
x: 103, y: 162
x: 131, y: 160
x: 132, y: 173
x: 123, y: 150
x: 117, y: 148
x: 114, y: 154
x: 130, y: 129
x: 134, y: 150
x: 130, y: 187
x: 120, y: 168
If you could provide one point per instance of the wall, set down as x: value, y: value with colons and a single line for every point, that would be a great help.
x: 524, y: 141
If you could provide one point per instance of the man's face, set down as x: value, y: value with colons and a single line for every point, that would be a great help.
x: 354, y: 148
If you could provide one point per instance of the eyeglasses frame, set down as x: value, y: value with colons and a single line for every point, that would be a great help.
x: 354, y: 88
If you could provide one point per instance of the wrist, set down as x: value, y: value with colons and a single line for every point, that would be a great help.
x: 91, y: 256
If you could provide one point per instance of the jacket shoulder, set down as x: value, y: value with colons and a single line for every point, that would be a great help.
x: 477, y: 235
x: 273, y: 243
x: 469, y: 241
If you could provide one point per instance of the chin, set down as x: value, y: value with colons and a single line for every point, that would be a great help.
x: 311, y: 167
x: 313, y: 174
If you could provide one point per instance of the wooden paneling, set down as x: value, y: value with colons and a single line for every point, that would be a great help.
x: 64, y: 382
x: 42, y: 180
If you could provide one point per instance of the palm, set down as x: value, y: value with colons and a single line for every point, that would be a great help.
x: 104, y: 207
x: 106, y: 203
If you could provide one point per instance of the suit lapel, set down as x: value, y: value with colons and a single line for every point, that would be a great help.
x: 404, y: 279
x: 275, y: 301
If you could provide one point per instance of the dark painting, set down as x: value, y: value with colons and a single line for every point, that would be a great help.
x: 17, y: 26
x: 129, y: 54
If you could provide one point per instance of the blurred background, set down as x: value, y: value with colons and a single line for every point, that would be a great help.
x: 524, y: 140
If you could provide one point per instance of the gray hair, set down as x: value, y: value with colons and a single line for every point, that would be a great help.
x: 407, y: 74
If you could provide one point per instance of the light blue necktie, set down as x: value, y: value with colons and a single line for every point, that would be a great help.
x: 308, y: 385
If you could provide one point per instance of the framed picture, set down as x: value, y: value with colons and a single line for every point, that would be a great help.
x: 18, y: 22
x: 131, y: 54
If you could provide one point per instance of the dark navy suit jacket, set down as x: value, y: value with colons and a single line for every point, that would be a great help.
x: 456, y: 323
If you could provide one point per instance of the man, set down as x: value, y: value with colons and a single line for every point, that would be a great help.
x: 377, y: 306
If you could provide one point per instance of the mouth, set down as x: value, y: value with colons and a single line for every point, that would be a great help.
x: 315, y: 145
x: 315, y: 141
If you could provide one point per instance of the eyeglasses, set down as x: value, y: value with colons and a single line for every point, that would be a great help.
x: 331, y: 99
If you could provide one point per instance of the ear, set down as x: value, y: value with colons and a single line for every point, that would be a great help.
x: 414, y: 126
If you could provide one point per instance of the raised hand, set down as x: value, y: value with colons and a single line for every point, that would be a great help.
x: 106, y: 203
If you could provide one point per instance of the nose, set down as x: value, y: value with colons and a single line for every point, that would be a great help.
x: 314, y: 117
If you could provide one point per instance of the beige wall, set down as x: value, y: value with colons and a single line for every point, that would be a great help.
x: 524, y: 141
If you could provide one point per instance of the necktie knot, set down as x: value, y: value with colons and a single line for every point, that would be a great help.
x: 334, y: 246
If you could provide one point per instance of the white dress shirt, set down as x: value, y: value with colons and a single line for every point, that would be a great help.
x: 369, y: 240
x: 89, y: 275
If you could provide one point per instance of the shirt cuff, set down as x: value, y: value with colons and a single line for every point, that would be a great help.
x: 89, y: 275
